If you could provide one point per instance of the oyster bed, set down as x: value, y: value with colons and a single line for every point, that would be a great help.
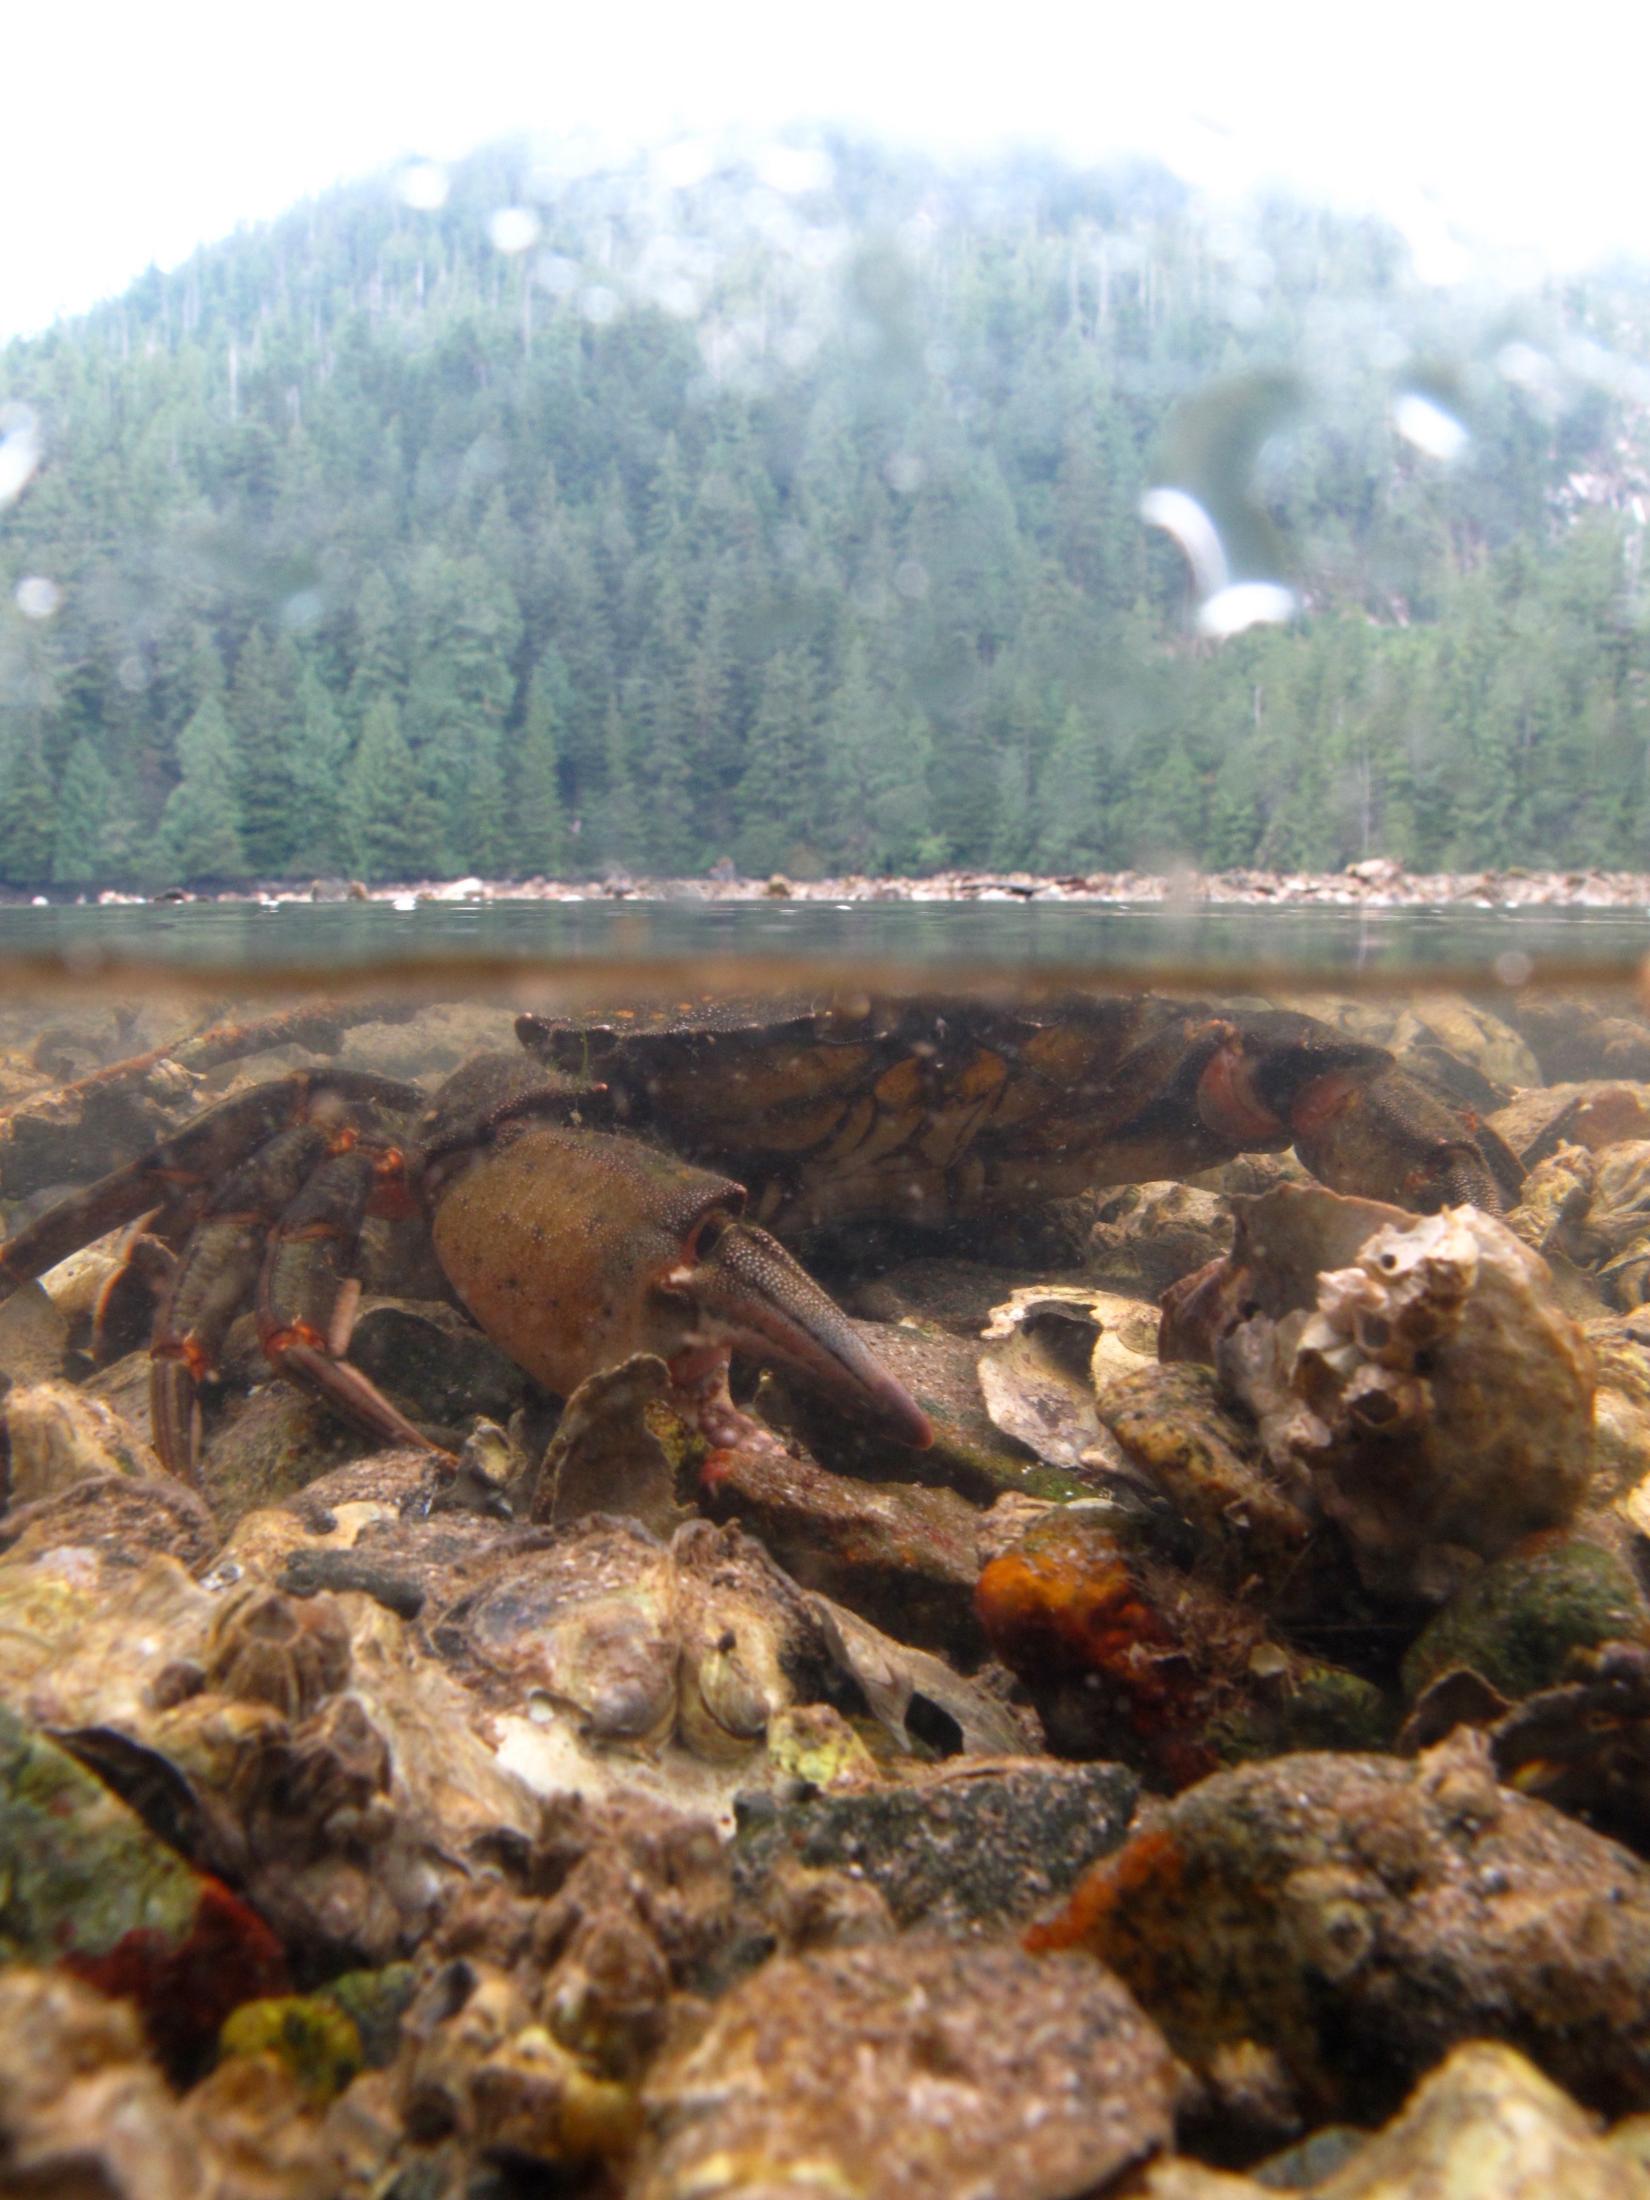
x: 1225, y: 1754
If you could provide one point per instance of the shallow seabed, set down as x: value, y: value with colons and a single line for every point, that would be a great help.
x: 1039, y: 1583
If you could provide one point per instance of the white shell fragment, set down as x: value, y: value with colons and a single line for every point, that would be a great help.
x: 1049, y: 1352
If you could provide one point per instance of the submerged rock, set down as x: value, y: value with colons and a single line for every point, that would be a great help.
x: 56, y: 1436
x: 85, y: 1884
x: 1127, y: 1654
x: 84, y: 2111
x: 915, y: 2068
x: 1317, y: 1900
x: 1517, y: 1622
x: 1429, y: 1394
x: 983, y: 1840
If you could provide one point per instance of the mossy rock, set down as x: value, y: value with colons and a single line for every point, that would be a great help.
x: 1517, y: 1621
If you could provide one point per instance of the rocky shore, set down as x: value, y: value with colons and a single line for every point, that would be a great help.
x: 1375, y: 883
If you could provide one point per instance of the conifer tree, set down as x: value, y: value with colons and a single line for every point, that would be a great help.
x: 200, y: 831
x: 80, y: 849
x: 27, y: 804
x: 537, y: 830
x: 388, y: 830
x: 1069, y: 807
x: 779, y: 805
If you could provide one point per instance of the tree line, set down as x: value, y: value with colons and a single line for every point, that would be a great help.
x: 803, y: 531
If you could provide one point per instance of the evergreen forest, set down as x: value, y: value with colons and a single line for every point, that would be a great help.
x: 787, y: 514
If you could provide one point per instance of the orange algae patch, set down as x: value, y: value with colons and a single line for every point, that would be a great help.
x: 1067, y: 1603
x: 1150, y: 1866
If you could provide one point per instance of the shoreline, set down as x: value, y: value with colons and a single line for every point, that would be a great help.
x: 1375, y: 883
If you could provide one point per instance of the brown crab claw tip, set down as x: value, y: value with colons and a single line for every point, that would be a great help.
x: 765, y: 1304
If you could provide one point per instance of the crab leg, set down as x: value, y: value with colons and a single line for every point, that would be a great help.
x: 178, y: 1174
x: 308, y: 1290
x: 213, y: 1279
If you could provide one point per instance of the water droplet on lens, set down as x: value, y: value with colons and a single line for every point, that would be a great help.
x: 513, y: 229
x: 911, y: 579
x: 19, y: 451
x: 1424, y: 422
x: 423, y: 185
x: 793, y: 168
x: 1513, y: 968
x: 37, y: 597
x: 687, y: 161
x: 555, y: 272
x: 301, y: 609
x: 1244, y: 604
x: 1185, y: 519
x: 599, y: 305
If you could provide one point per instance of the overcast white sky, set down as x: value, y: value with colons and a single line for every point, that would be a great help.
x: 131, y: 132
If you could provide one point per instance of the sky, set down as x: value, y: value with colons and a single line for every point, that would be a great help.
x: 1506, y: 140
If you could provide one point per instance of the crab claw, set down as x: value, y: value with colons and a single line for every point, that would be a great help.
x: 574, y: 1249
x: 748, y: 1294
x: 1358, y: 1121
x: 1391, y: 1137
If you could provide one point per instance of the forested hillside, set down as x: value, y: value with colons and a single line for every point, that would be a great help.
x: 792, y: 517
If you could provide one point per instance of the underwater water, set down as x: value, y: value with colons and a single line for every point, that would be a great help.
x: 890, y: 1388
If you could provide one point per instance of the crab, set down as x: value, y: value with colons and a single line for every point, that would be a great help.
x: 587, y: 1198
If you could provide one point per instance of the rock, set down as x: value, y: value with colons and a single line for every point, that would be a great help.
x: 983, y: 1841
x: 267, y: 1445
x: 1410, y: 1907
x: 82, y: 2108
x: 56, y: 1436
x: 311, y: 2038
x: 1127, y: 1654
x: 1180, y: 1441
x: 1517, y: 1621
x: 618, y: 1448
x: 1444, y: 1038
x: 1582, y: 1745
x: 125, y: 1515
x: 1047, y: 1350
x: 1486, y: 2125
x: 907, y: 1557
x: 989, y: 2074
x: 1146, y: 1236
x: 34, y: 1337
x: 1436, y: 1399
x: 434, y: 1362
x: 88, y: 1886
x: 1590, y: 1115
x: 941, y: 1371
x: 1578, y: 1037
